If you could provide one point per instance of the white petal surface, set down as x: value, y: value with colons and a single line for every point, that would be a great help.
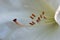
x: 22, y: 9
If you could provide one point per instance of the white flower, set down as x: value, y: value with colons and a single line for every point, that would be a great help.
x: 45, y: 29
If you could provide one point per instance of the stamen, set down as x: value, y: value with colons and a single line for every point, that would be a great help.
x: 31, y: 23
x: 44, y: 17
x: 37, y: 20
x: 43, y: 13
x: 33, y: 15
x: 40, y: 16
x: 15, y: 20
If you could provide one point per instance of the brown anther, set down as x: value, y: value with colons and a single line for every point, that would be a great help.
x: 31, y: 23
x: 37, y: 20
x: 40, y: 16
x: 43, y: 13
x: 44, y: 17
x: 33, y: 15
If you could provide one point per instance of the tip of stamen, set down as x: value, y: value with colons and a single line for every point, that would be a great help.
x: 15, y: 20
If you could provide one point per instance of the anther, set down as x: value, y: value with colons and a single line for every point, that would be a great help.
x: 33, y: 15
x: 31, y: 23
x: 37, y: 20
x: 40, y: 16
x: 43, y: 13
x: 44, y: 17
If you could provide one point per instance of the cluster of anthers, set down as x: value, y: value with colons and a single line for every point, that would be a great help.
x: 32, y: 17
x: 38, y: 19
